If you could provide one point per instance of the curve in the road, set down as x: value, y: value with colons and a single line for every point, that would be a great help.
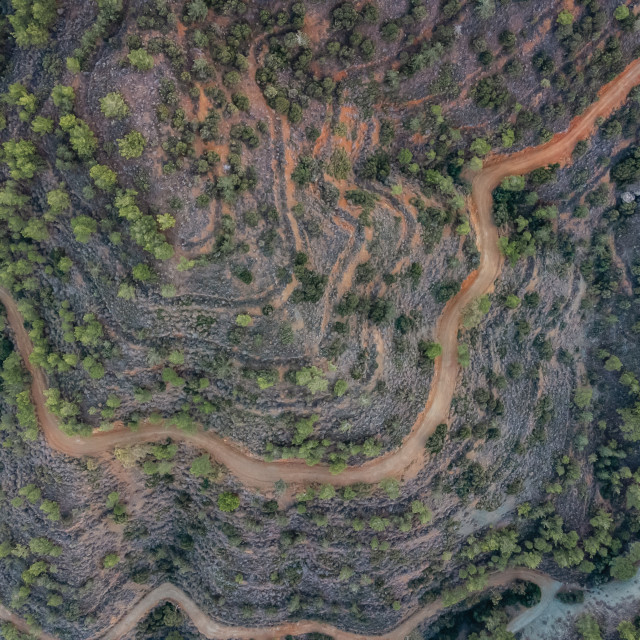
x: 407, y: 460
x: 215, y: 630
x: 404, y: 461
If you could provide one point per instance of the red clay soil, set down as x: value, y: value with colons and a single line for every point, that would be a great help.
x: 323, y: 138
x: 407, y: 460
x: 404, y: 461
x: 337, y: 267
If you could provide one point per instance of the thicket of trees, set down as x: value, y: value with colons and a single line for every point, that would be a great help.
x: 32, y: 21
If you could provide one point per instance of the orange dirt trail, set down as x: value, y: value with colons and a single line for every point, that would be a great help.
x: 214, y: 630
x: 407, y: 460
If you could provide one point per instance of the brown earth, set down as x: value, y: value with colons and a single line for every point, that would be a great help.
x: 407, y: 460
x: 210, y: 628
x: 215, y: 630
x: 403, y: 462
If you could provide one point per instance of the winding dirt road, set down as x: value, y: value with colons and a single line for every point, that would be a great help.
x: 403, y: 462
x: 408, y: 459
x: 20, y: 624
x: 214, y: 630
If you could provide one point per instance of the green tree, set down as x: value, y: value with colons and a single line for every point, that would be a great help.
x: 140, y: 60
x: 621, y: 12
x: 58, y: 201
x: 633, y: 496
x: 110, y: 560
x: 168, y: 290
x: 44, y: 547
x: 340, y: 388
x: 422, y: 511
x: 42, y: 125
x: 35, y: 229
x: 171, y: 377
x: 339, y: 164
x: 588, y: 628
x: 512, y: 301
x: 582, y: 397
x: 378, y: 524
x: 228, y: 501
x: 565, y: 18
x: 628, y: 631
x: 52, y: 509
x: 103, y: 177
x: 94, y: 368
x: 623, y: 568
x: 31, y: 21
x: 82, y: 139
x: 89, y: 333
x: 63, y: 97
x: 165, y: 221
x: 176, y: 357
x: 304, y: 428
x: 19, y: 96
x: 613, y: 363
x: 429, y: 350
x: 231, y: 78
x: 31, y: 493
x: 513, y: 183
x: 126, y: 291
x: 22, y: 158
x: 143, y: 272
x: 266, y: 379
x: 132, y: 145
x: 312, y: 378
x: 83, y: 227
x: 201, y: 467
x: 485, y: 8
x: 435, y: 442
x: 304, y: 171
x: 480, y: 147
x: 113, y: 106
x: 475, y: 311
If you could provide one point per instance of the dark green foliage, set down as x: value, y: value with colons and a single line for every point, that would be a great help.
x: 435, y: 442
x: 304, y: 172
x: 344, y: 16
x: 312, y: 285
x: 31, y: 21
x: 543, y: 63
x: 575, y: 596
x: 243, y: 274
x: 159, y: 619
x: 533, y: 221
x: 381, y: 311
x: 405, y: 324
x: 377, y: 167
x: 109, y: 13
x: 490, y: 92
x: 627, y: 169
x: 472, y: 480
x: 364, y: 199
x: 443, y: 291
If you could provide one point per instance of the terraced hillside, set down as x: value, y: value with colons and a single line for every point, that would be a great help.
x: 320, y: 318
